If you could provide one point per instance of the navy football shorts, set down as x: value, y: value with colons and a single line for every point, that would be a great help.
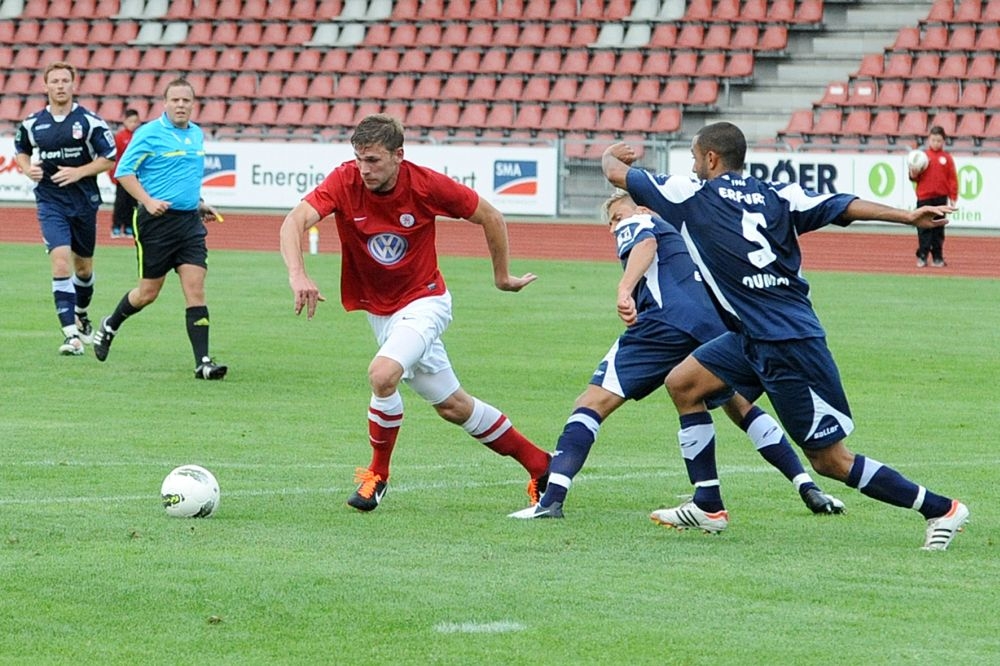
x: 798, y: 376
x: 639, y: 361
x: 78, y: 229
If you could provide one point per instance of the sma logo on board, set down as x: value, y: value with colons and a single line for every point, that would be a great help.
x: 515, y: 178
x: 220, y: 171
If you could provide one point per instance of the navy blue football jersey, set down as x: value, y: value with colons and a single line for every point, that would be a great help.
x: 742, y: 233
x: 671, y: 289
x: 75, y: 140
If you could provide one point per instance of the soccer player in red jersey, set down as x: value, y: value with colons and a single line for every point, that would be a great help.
x: 385, y: 209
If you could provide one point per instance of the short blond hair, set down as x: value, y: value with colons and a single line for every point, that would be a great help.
x: 59, y: 64
x: 617, y: 196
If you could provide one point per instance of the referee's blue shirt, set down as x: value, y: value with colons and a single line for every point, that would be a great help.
x: 168, y: 161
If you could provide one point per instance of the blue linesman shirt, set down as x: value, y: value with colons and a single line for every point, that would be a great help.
x: 74, y: 140
x: 742, y: 233
x: 168, y: 161
x: 671, y: 290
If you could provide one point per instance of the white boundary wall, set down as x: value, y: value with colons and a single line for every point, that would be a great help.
x: 517, y: 180
x: 878, y: 177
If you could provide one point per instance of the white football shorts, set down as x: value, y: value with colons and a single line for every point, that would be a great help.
x: 412, y: 337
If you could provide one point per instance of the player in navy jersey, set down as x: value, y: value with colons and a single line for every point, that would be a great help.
x: 668, y: 314
x: 743, y: 235
x: 62, y: 148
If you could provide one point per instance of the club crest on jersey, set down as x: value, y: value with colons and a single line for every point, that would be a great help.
x: 387, y: 249
x: 407, y: 220
x: 77, y: 131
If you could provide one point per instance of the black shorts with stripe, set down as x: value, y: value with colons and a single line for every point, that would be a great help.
x: 164, y: 242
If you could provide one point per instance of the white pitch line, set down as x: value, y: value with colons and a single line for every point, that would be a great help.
x: 498, y: 627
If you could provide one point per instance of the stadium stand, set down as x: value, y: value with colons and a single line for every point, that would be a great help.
x: 510, y: 69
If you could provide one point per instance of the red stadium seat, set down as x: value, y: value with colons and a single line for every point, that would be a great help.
x: 51, y: 32
x: 454, y: 35
x: 483, y: 9
x: 657, y: 63
x: 501, y: 116
x: 576, y: 62
x: 630, y: 63
x: 536, y: 9
x: 718, y: 36
x: 401, y: 87
x: 473, y: 115
x: 466, y: 61
x: 782, y: 11
x: 947, y: 120
x: 982, y: 67
x: 428, y: 87
x: 178, y: 59
x: 374, y: 87
x: 647, y: 91
x: 684, y: 63
x: 413, y: 60
x: 872, y: 65
x: 972, y: 124
x: 988, y: 39
x: 591, y: 90
x: 945, y: 94
x: 808, y: 11
x: 386, y: 60
x: 675, y: 91
x: 638, y: 119
x: 341, y: 113
x: 349, y: 86
x: 941, y: 11
x: 455, y: 88
x: 218, y: 85
x: 664, y: 36
x: 529, y: 117
x: 885, y: 123
x: 834, y: 95
x: 973, y: 95
x: 667, y: 120
x: 691, y: 36
x: 532, y: 34
x: 917, y: 94
x: 522, y: 61
x: 829, y: 122
x: 296, y: 85
x: 914, y: 124
x: 619, y: 90
x: 907, y: 39
x: 212, y: 112
x: 899, y: 65
x: 507, y: 34
x: 555, y: 117
x: 290, y: 113
x: 962, y: 38
x: 602, y: 62
x: 968, y: 11
x: 480, y: 35
x: 754, y: 11
x: 891, y: 93
x: 549, y: 61
x: 537, y: 88
x: 510, y: 88
x: 494, y: 60
x: 712, y: 64
x: 483, y: 88
x: 440, y: 60
x: 800, y: 123
x: 745, y: 37
x: 447, y: 114
x: 774, y: 38
x: 704, y: 93
x: 953, y: 66
x: 611, y: 118
x: 322, y: 87
x: 564, y: 89
x: 246, y: 85
x: 858, y: 122
x: 10, y: 109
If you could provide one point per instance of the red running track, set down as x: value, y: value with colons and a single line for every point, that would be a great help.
x: 850, y: 250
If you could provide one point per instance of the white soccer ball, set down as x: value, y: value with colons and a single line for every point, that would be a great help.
x: 190, y: 491
x: 917, y: 159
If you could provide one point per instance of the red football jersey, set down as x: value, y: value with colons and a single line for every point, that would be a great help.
x: 388, y: 240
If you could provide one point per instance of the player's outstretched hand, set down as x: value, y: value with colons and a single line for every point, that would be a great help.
x: 513, y: 283
x: 307, y: 295
x: 928, y: 217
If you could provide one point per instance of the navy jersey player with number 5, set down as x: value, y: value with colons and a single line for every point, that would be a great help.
x: 62, y: 148
x: 743, y: 235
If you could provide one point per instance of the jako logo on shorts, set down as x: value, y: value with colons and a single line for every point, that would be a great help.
x: 518, y: 178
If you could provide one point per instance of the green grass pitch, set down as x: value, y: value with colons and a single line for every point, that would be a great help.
x: 93, y: 571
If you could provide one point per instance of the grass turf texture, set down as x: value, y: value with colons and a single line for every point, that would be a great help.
x: 94, y: 571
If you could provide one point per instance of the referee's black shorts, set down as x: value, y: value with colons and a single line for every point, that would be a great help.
x: 164, y: 242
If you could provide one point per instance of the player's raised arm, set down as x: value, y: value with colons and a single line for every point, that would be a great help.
x: 495, y: 230
x: 296, y: 222
x: 615, y: 163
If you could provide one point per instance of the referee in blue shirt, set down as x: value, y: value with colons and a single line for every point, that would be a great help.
x: 62, y: 148
x: 162, y: 168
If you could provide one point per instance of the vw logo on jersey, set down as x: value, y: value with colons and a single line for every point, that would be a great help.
x: 407, y: 220
x: 387, y: 249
